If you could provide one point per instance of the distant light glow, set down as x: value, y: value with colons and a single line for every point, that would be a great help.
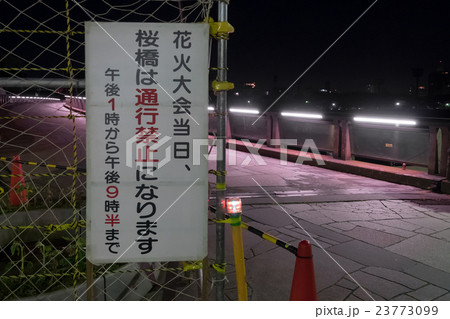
x: 245, y: 111
x: 302, y: 115
x: 210, y: 108
x: 334, y: 104
x: 306, y: 101
x: 34, y: 98
x: 384, y: 121
x: 251, y: 84
x: 248, y: 101
x: 75, y: 97
x: 237, y: 93
x: 397, y: 103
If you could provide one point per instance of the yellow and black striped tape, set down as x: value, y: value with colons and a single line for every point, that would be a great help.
x: 41, y: 69
x: 41, y: 31
x: 40, y: 276
x: 188, y: 266
x: 48, y: 228
x: 217, y: 173
x: 67, y: 168
x: 258, y: 232
x: 41, y: 175
x: 39, y: 117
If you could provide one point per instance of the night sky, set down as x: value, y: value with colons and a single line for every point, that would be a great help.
x: 282, y: 38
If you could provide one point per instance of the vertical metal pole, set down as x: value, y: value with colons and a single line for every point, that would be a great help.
x: 221, y: 152
x: 90, y: 281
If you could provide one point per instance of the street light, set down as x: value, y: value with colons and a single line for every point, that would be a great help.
x: 384, y: 121
x: 302, y: 115
x: 245, y: 111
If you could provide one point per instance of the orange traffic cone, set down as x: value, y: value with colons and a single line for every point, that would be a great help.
x: 304, y: 282
x: 17, y: 197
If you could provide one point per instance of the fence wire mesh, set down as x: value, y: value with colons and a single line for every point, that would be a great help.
x: 42, y: 153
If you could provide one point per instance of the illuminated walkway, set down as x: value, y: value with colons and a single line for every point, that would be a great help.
x: 393, y: 240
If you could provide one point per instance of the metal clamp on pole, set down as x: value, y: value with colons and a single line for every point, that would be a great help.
x: 234, y: 208
x: 218, y: 86
x: 220, y: 30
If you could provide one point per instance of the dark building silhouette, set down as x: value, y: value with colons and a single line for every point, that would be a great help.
x: 439, y: 81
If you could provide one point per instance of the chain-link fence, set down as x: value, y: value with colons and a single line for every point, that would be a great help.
x: 43, y: 158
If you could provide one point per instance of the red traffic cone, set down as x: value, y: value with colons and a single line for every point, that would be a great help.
x: 304, y: 282
x: 17, y: 197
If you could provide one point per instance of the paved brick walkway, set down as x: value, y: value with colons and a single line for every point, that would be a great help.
x: 371, y: 239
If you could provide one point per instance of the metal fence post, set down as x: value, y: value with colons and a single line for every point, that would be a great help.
x: 221, y: 151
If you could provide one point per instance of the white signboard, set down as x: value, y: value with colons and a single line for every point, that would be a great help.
x: 147, y: 86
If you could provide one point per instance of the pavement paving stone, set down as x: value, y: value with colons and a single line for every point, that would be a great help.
x: 395, y: 276
x: 352, y: 297
x: 297, y: 207
x: 328, y: 271
x: 425, y: 231
x: 262, y: 247
x: 263, y: 272
x: 438, y: 214
x: 398, y: 224
x: 404, y: 298
x: 339, y: 216
x: 408, y: 213
x: 445, y: 297
x: 361, y: 294
x: 321, y: 231
x: 314, y: 217
x: 431, y: 223
x: 445, y: 234
x: 370, y: 255
x: 333, y: 293
x: 340, y: 226
x: 294, y: 233
x: 269, y: 216
x: 328, y: 241
x: 425, y: 249
x: 263, y: 179
x: 429, y: 274
x: 429, y: 292
x: 386, y: 229
x: 382, y: 287
x: 319, y: 243
x: 346, y: 283
x: 374, y: 237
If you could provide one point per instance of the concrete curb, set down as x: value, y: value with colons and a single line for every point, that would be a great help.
x: 375, y: 171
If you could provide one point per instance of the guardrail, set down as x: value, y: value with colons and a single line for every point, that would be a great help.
x: 425, y: 144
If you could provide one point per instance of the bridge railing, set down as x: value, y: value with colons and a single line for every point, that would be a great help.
x: 425, y: 144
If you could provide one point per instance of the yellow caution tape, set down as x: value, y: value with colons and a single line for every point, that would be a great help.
x: 41, y: 175
x: 222, y: 86
x: 221, y: 186
x: 220, y: 268
x: 222, y: 221
x: 1, y: 190
x: 48, y: 228
x: 39, y: 117
x: 217, y: 173
x: 40, y: 276
x: 41, y: 69
x: 41, y: 31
